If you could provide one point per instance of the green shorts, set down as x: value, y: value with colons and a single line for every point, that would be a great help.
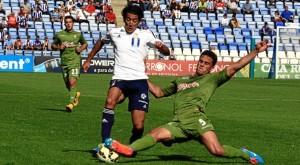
x: 190, y: 126
x: 71, y: 71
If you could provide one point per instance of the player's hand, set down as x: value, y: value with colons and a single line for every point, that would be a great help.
x: 263, y: 45
x: 86, y: 66
x: 62, y: 47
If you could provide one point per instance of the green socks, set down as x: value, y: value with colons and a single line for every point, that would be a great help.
x: 231, y: 152
x: 144, y: 143
x: 72, y: 94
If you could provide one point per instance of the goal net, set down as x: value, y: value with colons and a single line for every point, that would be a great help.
x: 285, y: 62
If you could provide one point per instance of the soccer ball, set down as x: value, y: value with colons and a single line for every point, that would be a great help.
x: 107, y: 155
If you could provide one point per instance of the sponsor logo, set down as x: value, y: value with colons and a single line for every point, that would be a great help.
x: 14, y: 63
x: 99, y: 62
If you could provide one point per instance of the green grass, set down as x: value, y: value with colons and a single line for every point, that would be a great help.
x: 260, y: 114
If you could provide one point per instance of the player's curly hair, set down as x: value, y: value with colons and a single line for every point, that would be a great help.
x: 133, y: 9
x: 212, y: 55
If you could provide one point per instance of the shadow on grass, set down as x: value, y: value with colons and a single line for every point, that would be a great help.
x: 183, y: 158
x: 54, y: 109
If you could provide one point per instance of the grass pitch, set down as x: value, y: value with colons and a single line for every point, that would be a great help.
x: 259, y: 114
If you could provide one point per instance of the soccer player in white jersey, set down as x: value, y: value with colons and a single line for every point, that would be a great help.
x: 129, y: 78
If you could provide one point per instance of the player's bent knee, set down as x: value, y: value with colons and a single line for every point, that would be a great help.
x: 219, y: 151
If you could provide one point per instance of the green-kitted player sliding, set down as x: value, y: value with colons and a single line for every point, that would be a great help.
x: 70, y: 43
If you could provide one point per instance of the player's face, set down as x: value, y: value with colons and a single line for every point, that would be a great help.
x: 205, y: 64
x: 131, y: 22
x: 69, y: 24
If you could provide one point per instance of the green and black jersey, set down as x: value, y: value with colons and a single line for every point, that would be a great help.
x: 194, y: 92
x: 71, y: 39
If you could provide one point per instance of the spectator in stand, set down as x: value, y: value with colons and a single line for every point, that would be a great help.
x: 70, y: 4
x: 90, y: 9
x: 110, y: 17
x: 22, y: 21
x: 277, y: 16
x: 176, y: 14
x: 173, y: 4
x: 18, y: 44
x: 247, y: 8
x: 85, y: 2
x: 220, y: 6
x: 147, y: 5
x: 286, y: 15
x: 266, y: 30
x: 35, y: 5
x: 28, y: 44
x: 193, y: 6
x: 143, y: 24
x: 133, y: 2
x: 225, y: 21
x: 202, y: 5
x: 46, y: 44
x: 12, y: 21
x: 56, y: 16
x: 107, y: 7
x: 45, y: 7
x: 72, y: 12
x: 155, y: 5
x: 100, y: 16
x: 61, y: 7
x: 2, y: 37
x: 9, y: 45
x: 2, y: 10
x: 3, y: 23
x: 27, y: 7
x: 232, y: 7
x: 183, y: 6
x: 22, y: 12
x: 234, y: 23
x: 37, y: 44
x: 98, y: 4
x: 167, y: 13
x: 37, y: 15
x: 210, y: 7
x: 81, y: 16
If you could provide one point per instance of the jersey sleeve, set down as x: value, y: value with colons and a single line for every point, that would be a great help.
x: 56, y: 40
x: 82, y: 39
x: 222, y: 77
x: 170, y: 90
x: 107, y: 39
x: 151, y: 39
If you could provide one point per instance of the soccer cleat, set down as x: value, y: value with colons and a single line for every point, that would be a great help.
x: 76, y: 101
x: 118, y: 147
x: 69, y: 107
x: 254, y: 158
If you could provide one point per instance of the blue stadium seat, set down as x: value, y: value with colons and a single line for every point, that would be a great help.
x: 204, y: 46
x: 147, y: 14
x: 211, y: 16
x: 193, y: 16
x: 242, y: 46
x: 176, y: 44
x: 158, y: 21
x: 161, y: 29
x: 183, y: 36
x: 246, y: 31
x: 156, y: 14
x: 171, y: 29
x: 208, y: 30
x: 168, y: 22
x: 247, y: 39
x: 219, y: 30
x: 206, y: 23
x: 19, y: 52
x: 193, y: 37
x: 233, y: 46
x: 195, y: 44
x: 184, y: 15
x: 185, y: 44
x: 190, y: 29
x: 239, y: 38
x: 211, y: 37
x: 229, y: 38
x: 180, y: 29
x: 223, y: 46
x: 196, y: 23
x: 199, y: 30
x: 178, y: 22
x: 220, y: 38
x: 164, y: 36
x: 215, y: 24
x: 202, y: 16
x: 187, y: 22
x: 202, y: 38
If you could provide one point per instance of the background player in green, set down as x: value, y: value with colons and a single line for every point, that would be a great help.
x: 190, y: 122
x: 70, y: 43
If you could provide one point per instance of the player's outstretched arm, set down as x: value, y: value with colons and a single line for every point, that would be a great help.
x: 260, y: 47
x: 95, y: 50
x: 155, y: 90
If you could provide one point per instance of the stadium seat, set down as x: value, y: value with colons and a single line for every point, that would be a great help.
x: 196, y: 52
x: 174, y: 36
x: 252, y: 25
x: 219, y: 30
x: 178, y: 22
x: 180, y: 29
x: 201, y: 37
x: 177, y: 51
x: 161, y: 29
x: 208, y: 30
x: 84, y: 27
x: 204, y: 45
x: 193, y: 37
x: 164, y: 36
x: 202, y: 16
x: 147, y: 14
x: 190, y: 30
x: 193, y: 16
x: 211, y: 37
x: 156, y: 14
x: 206, y: 24
x: 233, y: 46
x: 180, y: 57
x: 242, y: 46
x: 168, y: 22
x: 195, y: 44
x: 183, y: 36
x: 220, y: 38
x: 171, y: 29
x: 158, y: 22
x: 167, y: 43
x: 184, y: 15
x: 176, y: 44
x: 229, y: 38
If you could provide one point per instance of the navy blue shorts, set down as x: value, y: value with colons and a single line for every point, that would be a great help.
x: 136, y: 91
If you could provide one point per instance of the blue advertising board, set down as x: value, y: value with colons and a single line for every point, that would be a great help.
x: 16, y: 63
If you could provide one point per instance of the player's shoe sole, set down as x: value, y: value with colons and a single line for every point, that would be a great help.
x: 118, y: 147
x: 254, y: 158
x: 76, y: 101
x: 69, y: 107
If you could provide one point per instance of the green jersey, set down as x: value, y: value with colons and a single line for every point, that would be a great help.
x: 194, y: 92
x: 71, y: 39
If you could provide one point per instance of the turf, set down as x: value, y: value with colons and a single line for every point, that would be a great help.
x: 259, y: 114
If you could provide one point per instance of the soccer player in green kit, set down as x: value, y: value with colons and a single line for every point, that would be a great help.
x: 190, y: 122
x: 70, y: 43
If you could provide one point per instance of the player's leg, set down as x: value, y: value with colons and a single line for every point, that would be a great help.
x: 138, y: 105
x: 211, y: 142
x: 72, y: 82
x: 114, y: 93
x: 138, y: 118
x: 146, y: 142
